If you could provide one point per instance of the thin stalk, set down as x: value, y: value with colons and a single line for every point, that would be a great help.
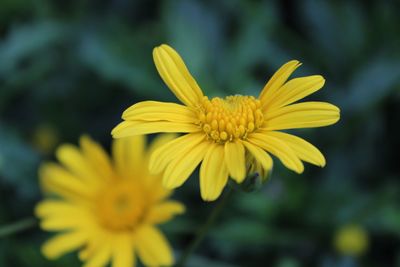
x: 16, y: 227
x: 202, y: 232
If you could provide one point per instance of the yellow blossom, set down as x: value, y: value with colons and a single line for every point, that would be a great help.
x: 223, y: 133
x: 45, y: 138
x: 106, y: 208
x: 351, y: 240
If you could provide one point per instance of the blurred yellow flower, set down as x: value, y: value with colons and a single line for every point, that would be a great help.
x: 45, y: 138
x: 106, y: 208
x: 351, y: 240
x: 223, y: 133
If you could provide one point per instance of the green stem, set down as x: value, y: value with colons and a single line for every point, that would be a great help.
x: 16, y: 227
x: 201, y: 233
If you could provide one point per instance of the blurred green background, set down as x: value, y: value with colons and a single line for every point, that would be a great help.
x: 72, y: 67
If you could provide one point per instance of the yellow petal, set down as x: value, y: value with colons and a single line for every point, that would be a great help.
x: 176, y: 76
x: 302, y: 115
x: 128, y: 154
x: 153, y: 181
x: 184, y: 163
x: 100, y: 257
x: 56, y: 179
x: 294, y: 90
x: 50, y: 207
x: 158, y: 191
x: 235, y: 160
x: 60, y: 215
x: 303, y: 149
x: 123, y: 252
x: 163, y: 155
x: 75, y: 162
x: 260, y: 155
x: 129, y: 128
x: 153, y: 249
x: 64, y: 223
x: 279, y: 149
x: 213, y: 173
x: 277, y: 80
x: 160, y: 111
x: 164, y: 212
x: 98, y: 237
x: 97, y: 157
x: 63, y: 243
x: 159, y: 141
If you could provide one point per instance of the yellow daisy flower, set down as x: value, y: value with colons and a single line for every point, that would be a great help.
x: 227, y: 134
x: 351, y: 240
x: 107, y: 209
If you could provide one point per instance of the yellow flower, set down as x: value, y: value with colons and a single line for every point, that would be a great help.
x: 351, y: 240
x: 225, y: 133
x: 45, y: 138
x: 106, y: 208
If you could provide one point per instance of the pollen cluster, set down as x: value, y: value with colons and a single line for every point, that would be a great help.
x: 231, y: 118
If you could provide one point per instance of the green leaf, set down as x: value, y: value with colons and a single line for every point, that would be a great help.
x: 24, y: 41
x: 18, y: 163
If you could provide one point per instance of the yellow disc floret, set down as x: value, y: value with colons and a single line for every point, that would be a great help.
x: 121, y: 206
x: 231, y: 118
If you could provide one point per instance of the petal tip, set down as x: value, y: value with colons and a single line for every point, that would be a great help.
x: 181, y: 209
x: 321, y: 162
x: 114, y: 132
x: 48, y: 252
x: 320, y: 79
x: 117, y: 131
x: 85, y: 139
x: 295, y: 62
x: 208, y: 198
x: 299, y: 169
x: 157, y: 47
x: 239, y: 178
x: 161, y: 47
x: 169, y: 183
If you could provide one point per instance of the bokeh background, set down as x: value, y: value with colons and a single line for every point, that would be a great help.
x: 72, y: 67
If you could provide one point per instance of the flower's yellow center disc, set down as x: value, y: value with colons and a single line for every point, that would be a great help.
x: 230, y: 118
x: 120, y: 206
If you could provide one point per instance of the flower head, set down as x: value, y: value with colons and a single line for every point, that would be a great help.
x: 351, y: 240
x: 226, y: 135
x: 45, y: 138
x: 107, y: 209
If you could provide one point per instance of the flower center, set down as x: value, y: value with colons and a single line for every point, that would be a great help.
x: 227, y: 119
x: 120, y: 206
